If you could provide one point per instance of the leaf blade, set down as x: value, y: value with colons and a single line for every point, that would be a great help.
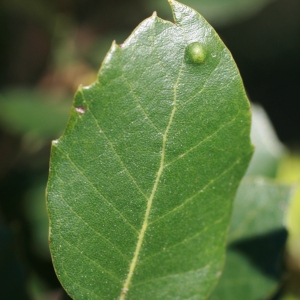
x: 134, y: 150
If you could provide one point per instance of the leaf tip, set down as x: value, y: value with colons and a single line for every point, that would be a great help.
x: 114, y: 47
x: 154, y: 15
x: 177, y: 9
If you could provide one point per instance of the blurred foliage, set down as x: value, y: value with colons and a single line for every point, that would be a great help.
x: 35, y: 212
x: 268, y: 149
x: 289, y: 172
x: 48, y: 48
x: 217, y: 12
x: 255, y: 241
x: 33, y: 114
x: 13, y: 274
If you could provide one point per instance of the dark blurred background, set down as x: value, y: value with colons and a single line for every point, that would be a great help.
x: 47, y: 48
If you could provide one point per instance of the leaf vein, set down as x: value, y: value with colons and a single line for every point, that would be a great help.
x: 137, y: 100
x: 204, y: 140
x: 149, y: 204
x: 198, y: 93
x: 173, y: 275
x: 140, y: 105
x: 97, y: 191
x: 93, y: 261
x: 183, y: 241
x: 95, y: 231
x: 196, y: 194
x: 155, y: 52
x: 115, y: 151
x: 77, y: 284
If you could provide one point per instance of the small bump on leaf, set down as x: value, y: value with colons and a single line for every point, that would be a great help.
x: 195, y: 54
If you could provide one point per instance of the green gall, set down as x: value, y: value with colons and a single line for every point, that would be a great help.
x: 194, y: 53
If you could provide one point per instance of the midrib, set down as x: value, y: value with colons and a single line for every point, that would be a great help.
x: 149, y: 203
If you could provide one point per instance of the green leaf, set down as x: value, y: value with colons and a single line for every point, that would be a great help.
x: 268, y: 149
x: 256, y: 239
x: 142, y: 182
x: 256, y: 198
x: 218, y: 12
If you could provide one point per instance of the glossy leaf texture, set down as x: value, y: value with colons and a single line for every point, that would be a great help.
x: 256, y: 241
x: 141, y: 183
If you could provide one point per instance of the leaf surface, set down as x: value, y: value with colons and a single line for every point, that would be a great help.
x: 141, y: 183
x: 256, y: 240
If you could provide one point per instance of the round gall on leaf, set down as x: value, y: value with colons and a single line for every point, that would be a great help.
x: 194, y: 53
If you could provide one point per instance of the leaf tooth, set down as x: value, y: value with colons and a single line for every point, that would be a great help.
x: 114, y: 48
x: 154, y: 15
